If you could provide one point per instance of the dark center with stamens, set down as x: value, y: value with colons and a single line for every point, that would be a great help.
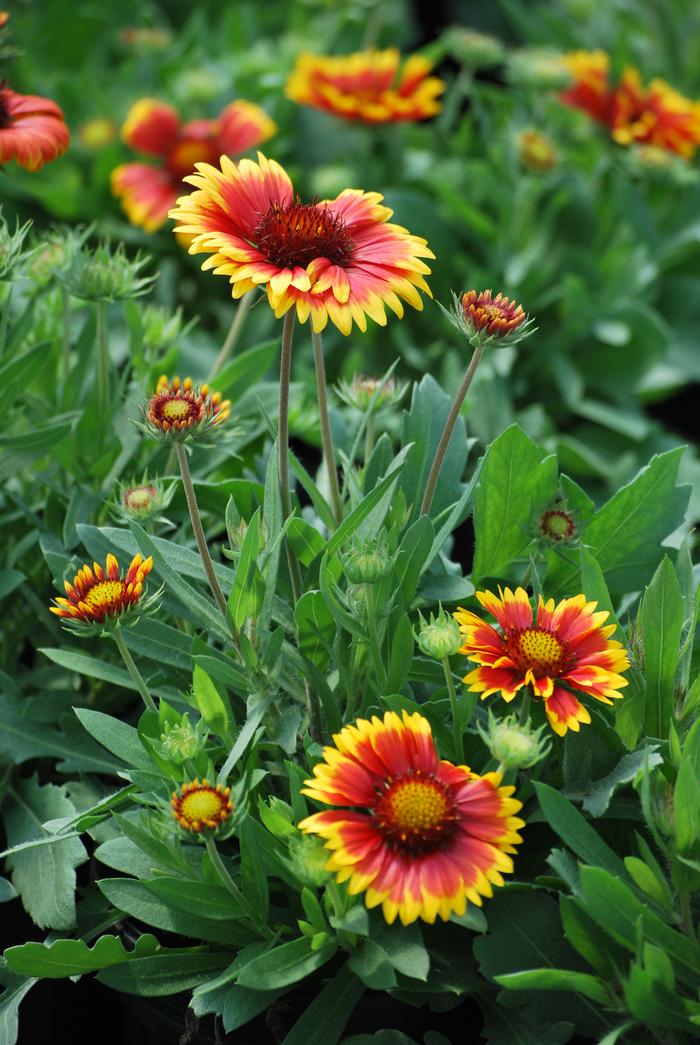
x: 298, y: 233
x: 416, y: 814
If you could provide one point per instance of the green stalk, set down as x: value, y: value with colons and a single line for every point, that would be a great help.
x: 102, y: 363
x: 326, y: 435
x: 448, y: 430
x: 458, y: 739
x: 233, y: 333
x: 133, y: 670
x: 283, y: 444
x: 198, y: 529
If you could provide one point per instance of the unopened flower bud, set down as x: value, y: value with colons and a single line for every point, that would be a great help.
x: 308, y: 858
x: 367, y: 562
x: 557, y: 525
x: 538, y: 68
x: 362, y: 390
x: 439, y: 637
x: 536, y: 151
x: 180, y: 742
x: 11, y: 247
x: 514, y: 745
x: 474, y: 49
x: 104, y: 273
x: 488, y: 320
x: 98, y: 132
x: 140, y: 500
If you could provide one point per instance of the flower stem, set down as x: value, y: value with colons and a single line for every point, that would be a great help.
x: 458, y: 741
x: 133, y: 670
x: 233, y: 333
x: 102, y: 363
x: 369, y: 438
x: 326, y: 435
x: 283, y: 443
x: 448, y: 430
x: 198, y: 529
x: 373, y: 634
x: 229, y: 884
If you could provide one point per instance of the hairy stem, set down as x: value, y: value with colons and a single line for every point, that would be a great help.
x: 283, y: 443
x: 326, y: 435
x: 133, y: 670
x: 449, y: 429
x: 196, y: 520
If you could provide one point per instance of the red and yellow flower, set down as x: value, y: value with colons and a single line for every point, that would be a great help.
x: 99, y: 596
x: 201, y: 807
x: 367, y: 86
x: 655, y: 115
x: 32, y: 130
x: 148, y: 192
x: 338, y: 259
x: 179, y: 410
x: 431, y: 835
x: 494, y: 316
x: 564, y: 653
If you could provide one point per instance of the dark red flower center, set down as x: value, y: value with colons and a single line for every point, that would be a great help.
x: 5, y: 118
x: 416, y: 814
x: 180, y: 409
x: 298, y: 233
x: 557, y: 525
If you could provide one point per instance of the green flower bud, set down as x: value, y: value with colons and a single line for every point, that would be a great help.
x: 308, y: 859
x: 439, y: 637
x: 11, y: 247
x: 104, y: 273
x: 367, y: 562
x: 537, y: 68
x: 471, y: 48
x: 141, y: 500
x: 180, y: 742
x: 361, y: 391
x: 514, y: 745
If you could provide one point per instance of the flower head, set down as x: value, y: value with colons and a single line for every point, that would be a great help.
x: 557, y: 525
x: 488, y: 320
x: 147, y: 191
x: 363, y: 392
x: 439, y: 637
x: 336, y: 259
x: 180, y: 410
x: 102, y: 273
x: 656, y: 115
x: 431, y: 835
x: 536, y: 151
x: 201, y: 807
x: 367, y: 561
x: 514, y: 744
x: 141, y: 499
x: 563, y: 653
x: 101, y: 597
x: 367, y: 86
x: 181, y: 741
x: 32, y: 130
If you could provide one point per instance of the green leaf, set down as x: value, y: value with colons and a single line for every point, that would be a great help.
x: 206, y: 899
x: 209, y: 702
x: 316, y: 628
x: 305, y: 540
x: 662, y: 616
x: 16, y: 987
x: 248, y: 591
x: 423, y: 425
x: 73, y: 957
x: 515, y: 484
x: 626, y: 533
x: 21, y: 738
x: 236, y: 1005
x: 253, y: 873
x: 587, y: 938
x: 135, y: 899
x: 164, y: 973
x: 357, y: 516
x: 575, y: 831
x: 557, y: 980
x: 686, y: 797
x: 598, y: 793
x: 371, y: 964
x: 245, y: 369
x: 9, y: 581
x: 116, y: 736
x: 403, y: 945
x: 324, y: 1020
x: 502, y: 1026
x: 41, y: 438
x: 285, y: 964
x: 44, y: 877
x: 401, y: 656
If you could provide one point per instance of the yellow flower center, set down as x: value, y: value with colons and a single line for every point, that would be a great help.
x: 202, y: 804
x: 417, y: 805
x: 176, y: 409
x: 139, y: 496
x: 105, y: 595
x: 539, y: 649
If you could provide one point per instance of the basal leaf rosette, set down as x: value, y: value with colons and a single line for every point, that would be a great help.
x: 336, y: 259
x: 367, y: 86
x: 563, y: 653
x: 422, y: 836
x: 99, y: 600
x: 148, y: 190
x: 180, y: 411
x: 32, y: 129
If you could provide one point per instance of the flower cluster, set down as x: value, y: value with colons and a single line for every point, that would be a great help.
x: 367, y: 86
x: 655, y: 115
x: 148, y: 192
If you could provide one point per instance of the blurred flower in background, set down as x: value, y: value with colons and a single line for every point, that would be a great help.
x: 32, y: 129
x: 367, y: 86
x: 147, y: 192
